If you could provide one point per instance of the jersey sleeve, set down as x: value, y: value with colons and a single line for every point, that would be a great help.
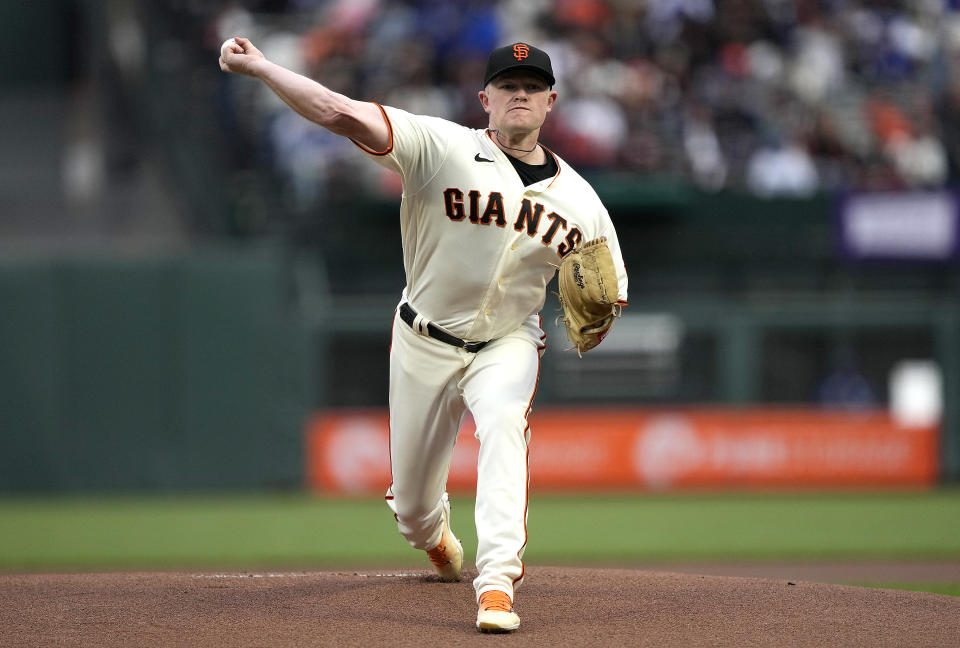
x: 417, y: 147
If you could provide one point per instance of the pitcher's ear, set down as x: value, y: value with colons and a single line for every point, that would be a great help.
x: 484, y: 100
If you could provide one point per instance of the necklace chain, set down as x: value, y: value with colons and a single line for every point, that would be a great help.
x: 500, y: 142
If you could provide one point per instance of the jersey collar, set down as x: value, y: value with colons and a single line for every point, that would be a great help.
x: 548, y: 151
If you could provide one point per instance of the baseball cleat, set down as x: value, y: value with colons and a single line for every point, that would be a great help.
x: 496, y: 613
x: 447, y: 557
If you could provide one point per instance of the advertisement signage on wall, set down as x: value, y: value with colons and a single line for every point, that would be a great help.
x: 654, y: 450
x: 905, y: 226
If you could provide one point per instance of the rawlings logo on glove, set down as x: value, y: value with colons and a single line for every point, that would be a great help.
x: 577, y: 276
x: 588, y: 293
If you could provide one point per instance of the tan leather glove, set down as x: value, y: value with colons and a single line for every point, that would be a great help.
x: 588, y: 293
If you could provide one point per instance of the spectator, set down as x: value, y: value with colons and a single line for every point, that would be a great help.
x: 782, y: 168
x: 684, y: 87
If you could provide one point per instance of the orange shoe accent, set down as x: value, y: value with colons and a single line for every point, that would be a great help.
x: 438, y: 556
x: 496, y: 601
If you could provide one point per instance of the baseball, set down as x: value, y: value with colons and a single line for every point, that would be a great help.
x: 226, y: 44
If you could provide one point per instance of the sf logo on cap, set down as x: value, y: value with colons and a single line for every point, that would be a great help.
x: 520, y: 51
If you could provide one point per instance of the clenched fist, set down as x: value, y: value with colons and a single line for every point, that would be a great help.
x: 239, y: 56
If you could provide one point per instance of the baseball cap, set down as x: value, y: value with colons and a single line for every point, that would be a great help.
x: 518, y: 56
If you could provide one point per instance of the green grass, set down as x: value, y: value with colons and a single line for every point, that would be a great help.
x: 950, y: 589
x: 748, y: 527
x: 125, y: 532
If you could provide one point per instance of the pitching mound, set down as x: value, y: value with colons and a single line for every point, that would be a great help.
x: 557, y: 606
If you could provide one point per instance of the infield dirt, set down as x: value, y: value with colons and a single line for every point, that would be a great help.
x: 559, y: 606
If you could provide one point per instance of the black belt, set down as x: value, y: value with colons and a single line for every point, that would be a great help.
x: 408, y: 315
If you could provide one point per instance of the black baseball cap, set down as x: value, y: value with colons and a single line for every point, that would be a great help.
x: 519, y: 56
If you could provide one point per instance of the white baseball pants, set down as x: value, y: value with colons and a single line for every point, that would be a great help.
x: 432, y: 385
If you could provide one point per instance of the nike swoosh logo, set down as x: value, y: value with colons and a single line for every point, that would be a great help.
x: 477, y: 158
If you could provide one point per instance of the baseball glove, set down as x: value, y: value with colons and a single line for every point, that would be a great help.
x: 588, y: 293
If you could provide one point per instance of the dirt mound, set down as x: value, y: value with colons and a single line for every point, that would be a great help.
x: 558, y: 607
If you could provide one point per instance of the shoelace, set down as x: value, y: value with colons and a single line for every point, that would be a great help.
x: 497, y: 603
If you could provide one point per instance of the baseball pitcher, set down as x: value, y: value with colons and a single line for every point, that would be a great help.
x: 487, y: 217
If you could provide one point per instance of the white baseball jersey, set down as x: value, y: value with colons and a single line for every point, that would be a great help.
x: 478, y: 247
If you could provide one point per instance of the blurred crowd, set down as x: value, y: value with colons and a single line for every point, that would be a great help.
x: 776, y: 97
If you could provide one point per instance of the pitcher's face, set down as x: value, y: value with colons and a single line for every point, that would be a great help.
x: 517, y: 102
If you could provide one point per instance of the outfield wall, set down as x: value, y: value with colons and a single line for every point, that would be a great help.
x: 198, y: 369
x: 174, y: 371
